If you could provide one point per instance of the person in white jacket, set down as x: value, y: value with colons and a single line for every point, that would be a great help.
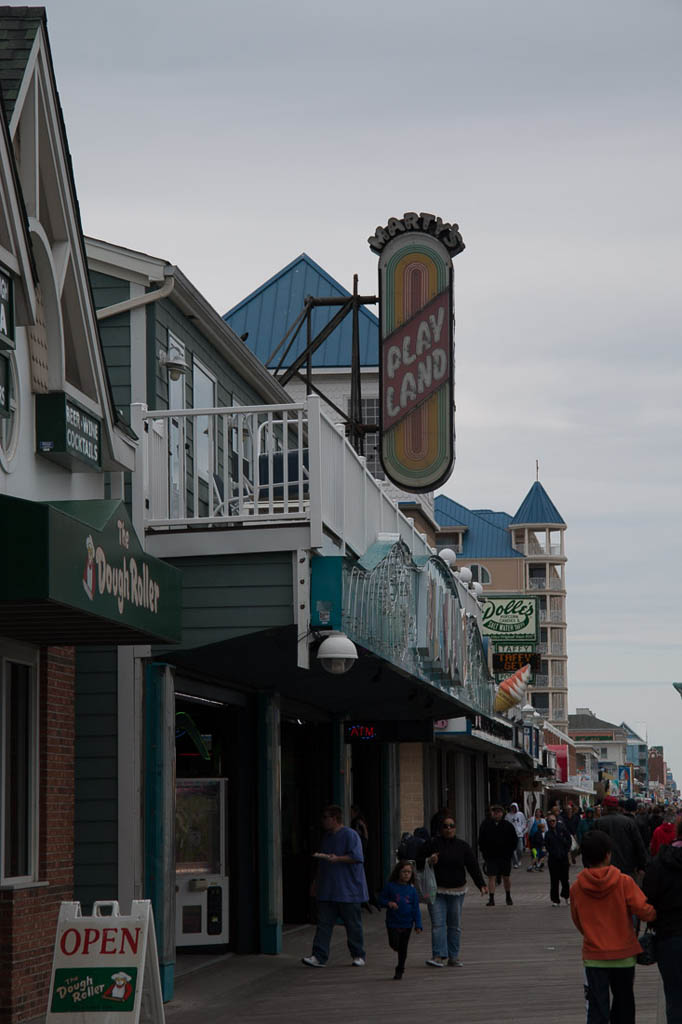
x: 518, y: 820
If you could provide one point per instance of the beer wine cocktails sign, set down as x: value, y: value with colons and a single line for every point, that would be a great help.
x: 416, y: 359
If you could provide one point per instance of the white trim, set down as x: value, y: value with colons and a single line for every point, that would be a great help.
x: 212, y: 442
x: 130, y: 742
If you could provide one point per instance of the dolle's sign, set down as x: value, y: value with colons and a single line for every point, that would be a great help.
x: 511, y: 619
x: 416, y: 348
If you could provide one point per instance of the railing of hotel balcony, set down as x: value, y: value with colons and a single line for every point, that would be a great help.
x: 540, y: 680
x: 536, y: 550
x: 558, y: 648
x: 551, y: 616
x: 541, y: 648
x: 262, y: 465
x: 541, y: 583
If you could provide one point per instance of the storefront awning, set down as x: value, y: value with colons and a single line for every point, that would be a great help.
x: 74, y: 572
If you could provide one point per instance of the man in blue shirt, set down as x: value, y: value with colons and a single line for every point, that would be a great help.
x: 340, y: 888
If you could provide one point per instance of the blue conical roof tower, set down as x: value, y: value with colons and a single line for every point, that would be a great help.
x: 537, y: 509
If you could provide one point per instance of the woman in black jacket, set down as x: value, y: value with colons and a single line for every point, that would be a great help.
x: 662, y: 887
x: 451, y: 858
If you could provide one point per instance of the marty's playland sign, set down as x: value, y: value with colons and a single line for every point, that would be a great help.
x: 416, y: 360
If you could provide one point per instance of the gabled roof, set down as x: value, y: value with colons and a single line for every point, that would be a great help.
x: 589, y: 723
x: 501, y: 519
x: 18, y: 29
x: 269, y: 311
x: 483, y: 538
x: 536, y: 508
x: 632, y: 735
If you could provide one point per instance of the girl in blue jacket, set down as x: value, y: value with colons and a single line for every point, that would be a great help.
x: 402, y: 900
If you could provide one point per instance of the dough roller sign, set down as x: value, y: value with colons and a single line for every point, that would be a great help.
x: 416, y: 364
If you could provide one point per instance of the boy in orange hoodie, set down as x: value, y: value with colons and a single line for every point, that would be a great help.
x: 603, y: 901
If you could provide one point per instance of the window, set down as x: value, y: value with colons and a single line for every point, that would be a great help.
x: 204, y: 397
x: 559, y: 705
x: 540, y: 702
x: 479, y: 574
x: 18, y: 769
x: 370, y: 417
x: 9, y: 418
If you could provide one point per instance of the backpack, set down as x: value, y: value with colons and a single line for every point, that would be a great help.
x: 413, y: 845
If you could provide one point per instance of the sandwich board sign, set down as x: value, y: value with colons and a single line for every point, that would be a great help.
x: 105, y: 968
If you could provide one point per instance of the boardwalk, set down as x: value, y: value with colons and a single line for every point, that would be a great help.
x: 521, y: 964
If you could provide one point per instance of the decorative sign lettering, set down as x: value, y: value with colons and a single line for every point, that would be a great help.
x: 513, y: 618
x: 416, y: 349
x: 102, y: 964
x: 424, y: 223
x: 66, y: 433
x: 7, y: 339
x: 512, y: 661
x: 389, y: 732
x: 4, y: 386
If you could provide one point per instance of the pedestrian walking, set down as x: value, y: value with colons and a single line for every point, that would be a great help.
x: 665, y: 834
x: 629, y: 853
x: 662, y: 887
x: 451, y: 858
x: 497, y: 843
x: 340, y: 889
x: 538, y: 849
x: 402, y: 900
x: 558, y: 843
x: 585, y: 825
x: 603, y: 902
x: 518, y: 819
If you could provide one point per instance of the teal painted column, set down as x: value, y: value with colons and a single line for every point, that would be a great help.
x: 387, y: 857
x: 341, y: 770
x: 270, y: 823
x: 159, y: 815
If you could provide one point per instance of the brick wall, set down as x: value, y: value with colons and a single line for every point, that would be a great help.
x: 411, y: 786
x: 28, y: 917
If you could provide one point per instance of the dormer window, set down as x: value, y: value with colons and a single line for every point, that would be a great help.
x: 479, y: 574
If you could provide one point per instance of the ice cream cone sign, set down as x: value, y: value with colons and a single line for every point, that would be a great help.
x: 512, y: 690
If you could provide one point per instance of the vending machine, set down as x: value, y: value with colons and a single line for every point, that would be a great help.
x: 201, y: 867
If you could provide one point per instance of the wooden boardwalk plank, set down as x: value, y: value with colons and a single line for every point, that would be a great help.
x: 521, y: 964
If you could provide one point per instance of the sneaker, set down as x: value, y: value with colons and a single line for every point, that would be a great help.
x: 358, y: 961
x: 533, y: 867
x: 567, y: 901
x: 509, y: 900
x: 437, y: 961
x: 455, y: 963
x: 555, y: 904
x: 312, y: 961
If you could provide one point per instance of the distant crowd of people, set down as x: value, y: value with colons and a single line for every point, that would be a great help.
x: 632, y: 873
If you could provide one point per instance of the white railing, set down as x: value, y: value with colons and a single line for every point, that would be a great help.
x: 262, y: 465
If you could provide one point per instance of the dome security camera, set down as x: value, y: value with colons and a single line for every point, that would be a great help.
x: 337, y: 653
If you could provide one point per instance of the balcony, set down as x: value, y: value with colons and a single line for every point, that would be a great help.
x: 542, y: 583
x: 260, y: 466
x: 558, y: 648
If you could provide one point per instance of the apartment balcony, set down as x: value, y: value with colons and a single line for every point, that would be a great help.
x: 542, y: 583
x: 551, y: 616
x: 558, y: 648
x: 541, y: 648
x: 237, y: 472
x: 540, y: 681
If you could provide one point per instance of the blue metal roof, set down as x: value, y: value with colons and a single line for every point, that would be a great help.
x: 269, y: 311
x: 483, y: 538
x: 501, y: 519
x: 537, y: 508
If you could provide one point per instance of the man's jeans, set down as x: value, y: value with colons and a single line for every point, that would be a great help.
x: 620, y: 980
x: 327, y: 914
x: 446, y: 924
x: 669, y: 955
x: 518, y: 852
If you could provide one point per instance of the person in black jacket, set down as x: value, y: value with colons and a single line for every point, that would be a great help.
x: 558, y: 843
x: 497, y: 843
x: 662, y: 887
x: 629, y: 853
x: 451, y: 858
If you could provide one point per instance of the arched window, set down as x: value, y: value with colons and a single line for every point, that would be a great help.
x: 479, y: 574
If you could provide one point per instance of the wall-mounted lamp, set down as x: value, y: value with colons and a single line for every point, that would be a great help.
x: 336, y: 653
x: 174, y: 364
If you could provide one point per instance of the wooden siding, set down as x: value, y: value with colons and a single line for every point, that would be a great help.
x: 96, y: 788
x: 234, y: 595
x: 115, y: 335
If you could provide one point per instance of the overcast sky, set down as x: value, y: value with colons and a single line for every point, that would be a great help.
x: 229, y: 137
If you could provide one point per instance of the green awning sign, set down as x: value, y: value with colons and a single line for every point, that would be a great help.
x: 85, y: 556
x: 7, y: 339
x: 66, y: 433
